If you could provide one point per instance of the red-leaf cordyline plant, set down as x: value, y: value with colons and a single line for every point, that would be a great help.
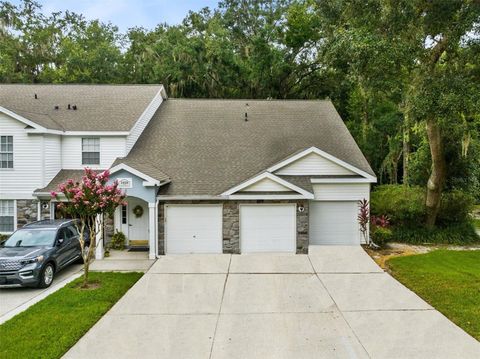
x: 364, y: 218
x: 88, y: 201
x: 382, y: 221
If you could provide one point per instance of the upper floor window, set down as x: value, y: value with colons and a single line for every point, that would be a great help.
x: 90, y: 151
x: 7, y: 215
x: 6, y: 151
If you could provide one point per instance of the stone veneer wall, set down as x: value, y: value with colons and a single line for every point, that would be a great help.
x: 231, y: 222
x: 26, y: 211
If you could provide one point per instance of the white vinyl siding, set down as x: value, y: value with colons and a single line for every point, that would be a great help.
x: 268, y: 228
x: 313, y: 164
x: 341, y: 191
x: 334, y: 223
x: 193, y: 229
x: 6, y: 151
x: 111, y: 147
x: 266, y: 185
x: 26, y: 174
x: 52, y: 145
x: 143, y: 122
x: 7, y: 216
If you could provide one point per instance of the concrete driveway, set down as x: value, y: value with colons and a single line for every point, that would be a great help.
x: 333, y: 303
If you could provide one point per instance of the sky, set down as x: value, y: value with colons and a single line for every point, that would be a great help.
x: 128, y: 13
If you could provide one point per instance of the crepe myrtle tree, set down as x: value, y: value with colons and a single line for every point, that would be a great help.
x: 88, y: 201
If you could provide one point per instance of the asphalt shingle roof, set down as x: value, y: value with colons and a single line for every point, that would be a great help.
x: 206, y: 147
x: 99, y: 107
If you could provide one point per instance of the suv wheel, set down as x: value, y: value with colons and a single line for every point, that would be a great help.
x: 46, y: 276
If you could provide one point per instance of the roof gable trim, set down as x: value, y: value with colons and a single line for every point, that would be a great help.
x: 271, y: 177
x: 149, y: 181
x: 22, y: 119
x: 326, y: 155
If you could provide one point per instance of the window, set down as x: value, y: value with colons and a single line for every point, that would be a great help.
x: 90, y: 151
x: 7, y: 216
x: 124, y: 214
x: 6, y: 151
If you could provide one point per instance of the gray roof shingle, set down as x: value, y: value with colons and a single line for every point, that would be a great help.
x: 207, y: 147
x: 99, y: 107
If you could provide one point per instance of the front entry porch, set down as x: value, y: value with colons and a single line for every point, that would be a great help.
x: 137, y: 221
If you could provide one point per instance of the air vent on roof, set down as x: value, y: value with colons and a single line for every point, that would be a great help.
x: 68, y: 106
x: 246, y: 117
x: 74, y: 107
x: 56, y: 107
x: 36, y: 96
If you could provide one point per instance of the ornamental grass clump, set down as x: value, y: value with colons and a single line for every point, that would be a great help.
x: 88, y: 201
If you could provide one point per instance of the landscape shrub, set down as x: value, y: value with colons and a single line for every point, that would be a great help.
x: 455, y: 207
x: 118, y: 240
x: 462, y: 233
x: 402, y: 204
x: 380, y: 235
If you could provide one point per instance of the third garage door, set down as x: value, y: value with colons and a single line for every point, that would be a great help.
x: 267, y: 228
x: 334, y: 223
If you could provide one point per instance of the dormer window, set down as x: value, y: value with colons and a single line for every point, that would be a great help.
x: 90, y: 151
x: 6, y: 151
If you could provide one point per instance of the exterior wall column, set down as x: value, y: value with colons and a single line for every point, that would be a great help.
x: 152, y: 232
x: 99, y: 252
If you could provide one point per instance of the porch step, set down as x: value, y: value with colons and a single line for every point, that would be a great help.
x: 138, y: 249
x: 138, y: 242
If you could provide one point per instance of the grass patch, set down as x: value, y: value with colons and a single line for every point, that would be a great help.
x: 52, y: 326
x: 448, y: 280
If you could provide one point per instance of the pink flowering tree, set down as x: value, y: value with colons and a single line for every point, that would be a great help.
x: 89, y: 201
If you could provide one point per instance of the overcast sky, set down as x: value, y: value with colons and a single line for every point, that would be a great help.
x: 128, y: 13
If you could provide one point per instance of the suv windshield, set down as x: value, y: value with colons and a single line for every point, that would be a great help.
x: 31, y: 238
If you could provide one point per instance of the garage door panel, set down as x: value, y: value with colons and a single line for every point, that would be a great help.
x: 334, y: 223
x: 193, y: 229
x: 267, y: 228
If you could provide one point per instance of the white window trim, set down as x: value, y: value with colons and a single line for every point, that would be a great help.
x: 326, y: 155
x: 13, y: 155
x: 14, y: 216
x: 99, y: 151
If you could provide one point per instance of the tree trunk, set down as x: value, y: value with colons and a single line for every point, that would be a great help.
x: 438, y: 176
x: 406, y: 150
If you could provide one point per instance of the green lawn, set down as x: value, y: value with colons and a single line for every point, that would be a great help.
x: 448, y: 280
x: 50, y: 327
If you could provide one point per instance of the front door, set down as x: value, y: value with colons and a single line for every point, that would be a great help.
x: 137, y: 222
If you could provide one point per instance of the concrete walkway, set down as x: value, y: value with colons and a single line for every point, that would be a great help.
x: 333, y: 303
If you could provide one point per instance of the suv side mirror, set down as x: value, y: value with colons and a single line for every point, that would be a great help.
x: 60, y: 241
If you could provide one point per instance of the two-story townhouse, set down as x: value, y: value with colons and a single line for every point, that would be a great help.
x: 50, y: 129
x: 200, y: 175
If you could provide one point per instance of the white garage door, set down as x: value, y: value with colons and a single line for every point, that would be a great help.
x: 334, y: 223
x: 267, y: 228
x: 193, y: 229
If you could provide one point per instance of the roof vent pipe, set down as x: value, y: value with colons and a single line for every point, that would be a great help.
x: 74, y: 107
x: 36, y: 97
x: 246, y: 117
x: 56, y: 107
x: 68, y: 107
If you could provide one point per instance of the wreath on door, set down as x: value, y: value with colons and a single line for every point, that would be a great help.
x: 138, y: 211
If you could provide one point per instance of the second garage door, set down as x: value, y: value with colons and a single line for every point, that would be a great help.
x: 193, y: 229
x: 334, y: 223
x: 267, y: 228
